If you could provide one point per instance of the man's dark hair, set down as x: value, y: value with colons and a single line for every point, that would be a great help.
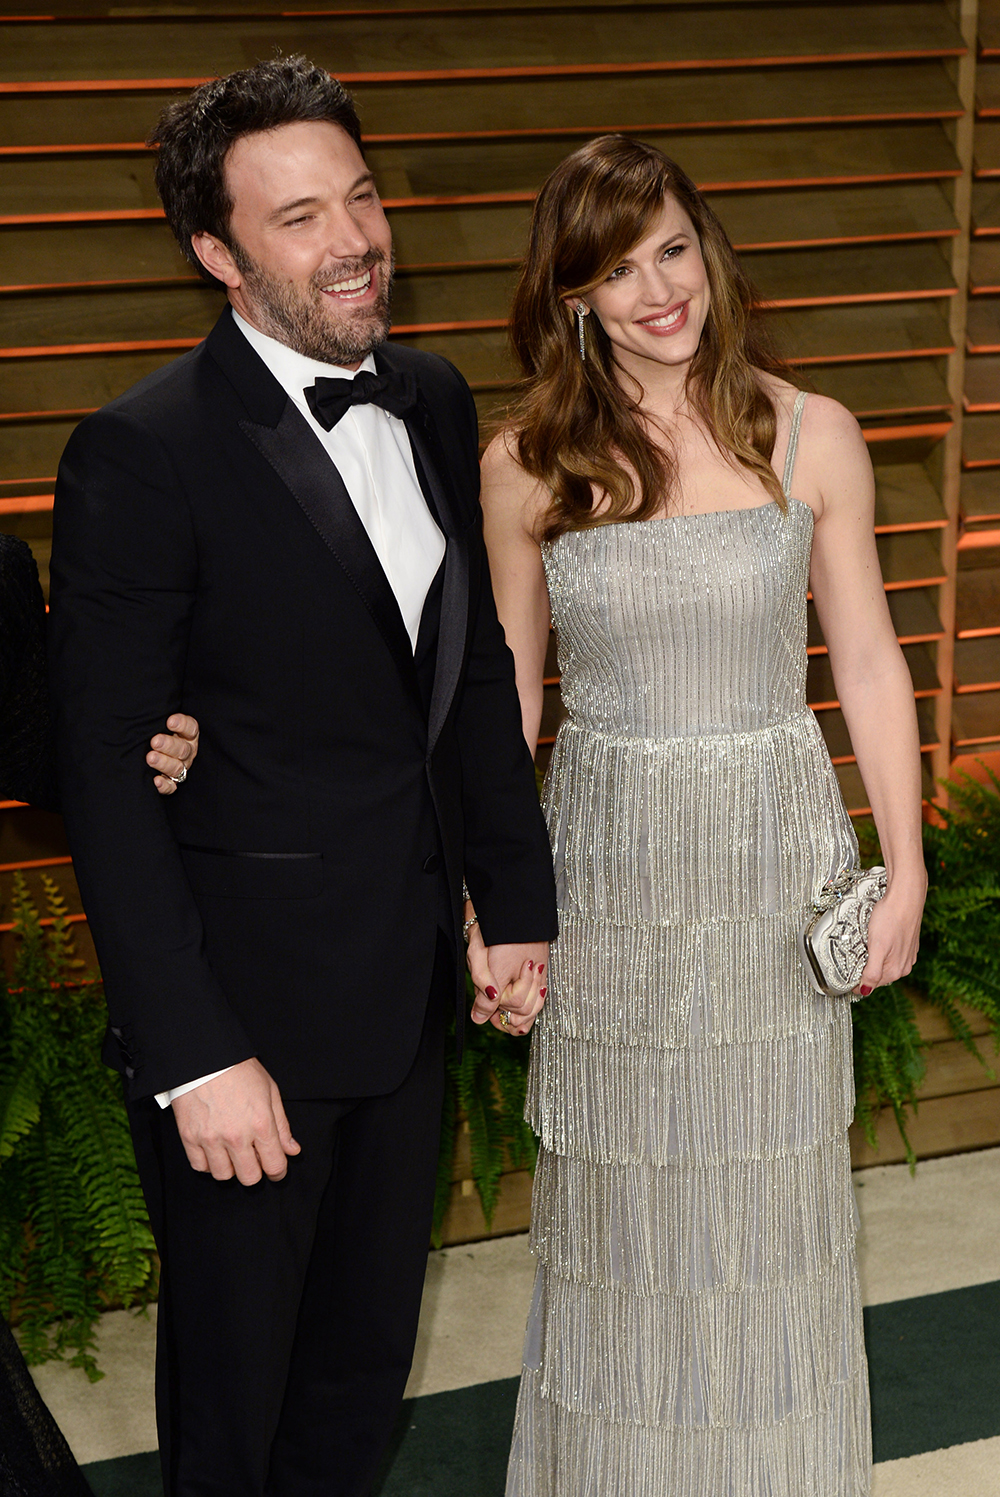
x: 193, y: 135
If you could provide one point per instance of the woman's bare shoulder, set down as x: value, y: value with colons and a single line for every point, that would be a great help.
x: 823, y: 416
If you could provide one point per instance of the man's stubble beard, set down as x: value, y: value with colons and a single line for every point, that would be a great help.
x: 303, y: 322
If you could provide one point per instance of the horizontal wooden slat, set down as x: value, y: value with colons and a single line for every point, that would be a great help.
x: 977, y: 602
x: 910, y: 560
x: 852, y: 333
x: 32, y: 450
x: 984, y: 268
x: 75, y: 383
x: 989, y: 29
x: 987, y: 89
x: 115, y: 317
x: 982, y: 382
x: 906, y: 499
x: 914, y: 615
x: 986, y: 161
x: 58, y: 255
x: 883, y: 389
x: 942, y: 1125
x: 367, y: 44
x: 983, y: 333
x: 464, y: 1220
x: 446, y: 169
x: 981, y: 441
x: 985, y: 208
x: 851, y: 273
x: 630, y: 102
x: 488, y: 232
x: 975, y: 718
x: 977, y: 664
x: 980, y: 495
x: 51, y: 256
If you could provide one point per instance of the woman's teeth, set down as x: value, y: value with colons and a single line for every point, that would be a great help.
x: 666, y: 321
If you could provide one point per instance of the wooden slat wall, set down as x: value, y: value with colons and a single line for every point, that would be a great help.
x: 852, y: 149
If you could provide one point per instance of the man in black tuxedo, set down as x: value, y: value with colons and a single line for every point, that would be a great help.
x: 281, y: 531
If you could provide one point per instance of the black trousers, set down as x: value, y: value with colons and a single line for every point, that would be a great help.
x: 288, y: 1310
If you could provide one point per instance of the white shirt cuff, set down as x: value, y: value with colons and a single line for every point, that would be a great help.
x: 165, y: 1098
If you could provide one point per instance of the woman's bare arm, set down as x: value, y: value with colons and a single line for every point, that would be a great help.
x: 510, y: 505
x: 871, y: 676
x: 512, y: 501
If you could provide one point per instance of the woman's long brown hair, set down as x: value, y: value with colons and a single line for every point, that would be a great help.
x: 574, y: 425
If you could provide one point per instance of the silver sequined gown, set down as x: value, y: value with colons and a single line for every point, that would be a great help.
x: 696, y: 1325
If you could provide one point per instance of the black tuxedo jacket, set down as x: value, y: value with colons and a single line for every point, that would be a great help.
x: 284, y: 903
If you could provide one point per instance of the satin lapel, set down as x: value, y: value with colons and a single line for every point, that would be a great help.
x: 432, y: 471
x: 299, y: 460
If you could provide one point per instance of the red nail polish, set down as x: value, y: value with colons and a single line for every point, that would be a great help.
x: 541, y: 968
x: 542, y: 992
x: 531, y: 966
x: 492, y: 995
x: 864, y: 992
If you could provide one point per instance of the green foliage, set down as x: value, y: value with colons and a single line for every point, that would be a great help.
x: 74, y: 1234
x: 488, y: 1085
x: 959, y: 959
x: 889, y: 1060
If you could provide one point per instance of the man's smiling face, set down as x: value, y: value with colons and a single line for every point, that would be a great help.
x: 310, y: 251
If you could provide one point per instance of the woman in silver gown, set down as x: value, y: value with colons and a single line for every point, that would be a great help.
x: 696, y: 1324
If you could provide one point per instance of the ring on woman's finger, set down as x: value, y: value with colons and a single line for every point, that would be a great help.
x: 505, y: 1017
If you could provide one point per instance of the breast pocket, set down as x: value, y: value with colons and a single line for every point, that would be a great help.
x: 253, y: 875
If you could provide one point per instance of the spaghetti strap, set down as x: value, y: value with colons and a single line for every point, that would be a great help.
x: 793, y: 442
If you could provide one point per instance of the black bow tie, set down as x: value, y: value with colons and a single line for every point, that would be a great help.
x: 329, y: 398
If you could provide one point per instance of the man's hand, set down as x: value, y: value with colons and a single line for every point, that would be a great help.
x: 510, y: 978
x: 174, y: 752
x: 236, y: 1125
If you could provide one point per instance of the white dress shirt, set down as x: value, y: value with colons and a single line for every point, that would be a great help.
x: 372, y: 453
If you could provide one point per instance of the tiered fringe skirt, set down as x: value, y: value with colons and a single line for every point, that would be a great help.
x: 696, y: 1324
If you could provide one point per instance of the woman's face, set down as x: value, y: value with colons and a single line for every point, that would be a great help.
x: 653, y: 305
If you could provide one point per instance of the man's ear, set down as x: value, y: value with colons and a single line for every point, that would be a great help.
x: 217, y: 260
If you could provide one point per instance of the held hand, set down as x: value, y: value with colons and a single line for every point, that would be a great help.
x: 236, y: 1125
x: 510, y: 978
x: 174, y: 752
x: 893, y: 936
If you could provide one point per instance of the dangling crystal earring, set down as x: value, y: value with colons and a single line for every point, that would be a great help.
x: 581, y: 317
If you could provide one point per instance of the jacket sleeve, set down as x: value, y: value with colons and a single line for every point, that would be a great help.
x: 508, y: 862
x: 124, y: 577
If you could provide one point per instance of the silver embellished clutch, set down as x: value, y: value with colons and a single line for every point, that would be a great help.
x: 833, y: 943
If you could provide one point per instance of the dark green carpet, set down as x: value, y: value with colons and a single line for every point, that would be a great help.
x: 935, y: 1381
x: 934, y: 1364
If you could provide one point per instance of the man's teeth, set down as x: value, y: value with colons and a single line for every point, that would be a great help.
x: 359, y: 283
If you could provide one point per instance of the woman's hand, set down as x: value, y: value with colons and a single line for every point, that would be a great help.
x: 172, y: 753
x: 521, y: 994
x: 893, y: 935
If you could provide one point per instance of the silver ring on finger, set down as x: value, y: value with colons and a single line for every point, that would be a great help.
x: 505, y: 1017
x: 179, y: 779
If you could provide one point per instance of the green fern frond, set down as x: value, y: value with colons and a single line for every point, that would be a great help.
x: 889, y: 1060
x: 19, y: 1109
